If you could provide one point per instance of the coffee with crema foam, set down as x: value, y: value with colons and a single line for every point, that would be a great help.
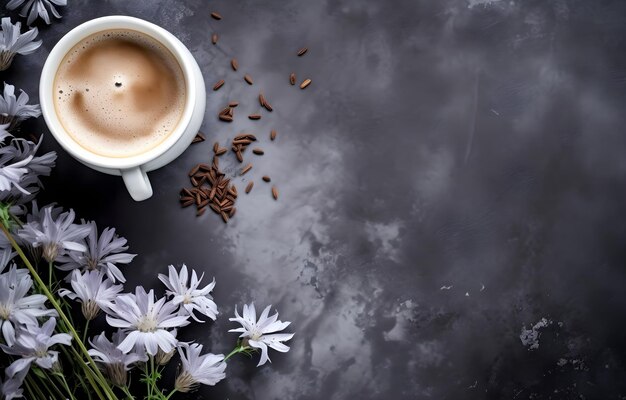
x: 119, y: 93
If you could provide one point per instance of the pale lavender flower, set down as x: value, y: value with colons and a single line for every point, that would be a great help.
x: 116, y: 363
x: 55, y: 237
x: 262, y: 333
x: 12, y: 171
x: 37, y: 8
x: 6, y: 253
x: 187, y: 295
x: 102, y: 254
x: 16, y: 306
x: 207, y: 369
x: 161, y: 357
x: 13, y: 42
x: 4, y: 130
x: 33, y: 345
x: 146, y: 321
x: 11, y: 388
x: 39, y: 165
x: 94, y: 293
x: 37, y: 213
x: 21, y: 172
x: 15, y: 110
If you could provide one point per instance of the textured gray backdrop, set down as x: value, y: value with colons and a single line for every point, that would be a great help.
x: 451, y: 220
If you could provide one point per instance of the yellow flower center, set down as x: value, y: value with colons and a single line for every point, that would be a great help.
x: 147, y: 324
x: 5, y: 312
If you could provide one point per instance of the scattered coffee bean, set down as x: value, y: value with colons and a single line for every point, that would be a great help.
x: 305, y: 83
x: 216, y: 16
x: 186, y: 201
x: 219, y: 84
x: 199, y: 138
x: 210, y: 187
x: 246, y: 169
x: 194, y: 170
x: 248, y: 136
x: 264, y: 103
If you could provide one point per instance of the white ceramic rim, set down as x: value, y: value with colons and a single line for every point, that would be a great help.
x: 47, y: 91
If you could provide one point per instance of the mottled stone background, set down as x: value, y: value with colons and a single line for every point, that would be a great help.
x: 451, y: 220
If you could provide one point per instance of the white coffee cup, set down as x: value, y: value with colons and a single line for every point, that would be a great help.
x: 133, y: 169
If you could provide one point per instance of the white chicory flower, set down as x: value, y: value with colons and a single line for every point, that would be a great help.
x: 102, y: 254
x: 11, y: 388
x: 12, y: 174
x: 207, y: 369
x: 6, y: 253
x: 262, y: 333
x: 146, y: 322
x: 33, y: 345
x: 14, y: 110
x: 116, y: 363
x: 187, y: 295
x: 4, y: 130
x: 92, y: 291
x: 16, y: 306
x: 37, y: 8
x: 161, y: 357
x: 13, y: 42
x: 21, y: 169
x: 55, y: 237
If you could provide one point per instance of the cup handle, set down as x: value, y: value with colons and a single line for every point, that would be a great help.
x: 137, y: 183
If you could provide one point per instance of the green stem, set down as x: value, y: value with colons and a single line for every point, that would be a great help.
x: 146, y: 373
x: 34, y: 387
x: 84, y: 385
x: 238, y: 349
x: 28, y: 389
x: 151, y: 376
x: 170, y: 395
x: 127, y: 392
x: 65, y: 385
x: 89, y: 374
x: 85, y: 331
x: 108, y: 391
x: 49, y: 382
x: 50, y: 266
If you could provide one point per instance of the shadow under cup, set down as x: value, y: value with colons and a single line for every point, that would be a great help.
x: 133, y: 168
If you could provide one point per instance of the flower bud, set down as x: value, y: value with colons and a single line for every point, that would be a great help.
x: 116, y: 374
x: 185, y: 382
x: 90, y: 309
